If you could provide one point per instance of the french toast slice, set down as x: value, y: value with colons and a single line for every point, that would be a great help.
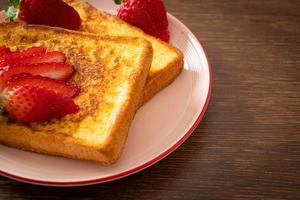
x: 112, y: 73
x: 167, y: 60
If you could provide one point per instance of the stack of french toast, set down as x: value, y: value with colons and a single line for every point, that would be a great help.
x: 118, y: 67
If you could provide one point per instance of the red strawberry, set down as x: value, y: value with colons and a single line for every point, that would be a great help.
x: 60, y: 87
x: 9, y: 57
x: 33, y: 51
x: 4, y: 50
x: 51, y: 12
x: 149, y: 15
x: 16, y: 77
x: 2, y: 64
x: 31, y: 104
x: 50, y: 57
x: 56, y: 71
x: 28, y: 89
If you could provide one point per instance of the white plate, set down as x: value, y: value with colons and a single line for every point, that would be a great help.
x: 159, y: 127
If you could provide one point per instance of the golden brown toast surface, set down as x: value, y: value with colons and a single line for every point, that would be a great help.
x: 112, y: 73
x: 167, y: 60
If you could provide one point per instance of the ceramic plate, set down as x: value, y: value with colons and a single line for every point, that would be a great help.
x: 159, y: 127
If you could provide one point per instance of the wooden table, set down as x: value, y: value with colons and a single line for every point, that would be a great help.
x: 248, y: 144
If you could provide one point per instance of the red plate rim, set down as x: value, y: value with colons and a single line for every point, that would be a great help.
x: 138, y: 168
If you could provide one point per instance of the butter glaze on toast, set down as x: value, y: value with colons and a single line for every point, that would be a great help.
x: 112, y: 73
x: 167, y: 60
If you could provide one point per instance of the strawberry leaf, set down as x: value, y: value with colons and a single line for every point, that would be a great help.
x: 12, y: 10
x: 118, y: 2
x: 15, y: 3
x: 12, y: 13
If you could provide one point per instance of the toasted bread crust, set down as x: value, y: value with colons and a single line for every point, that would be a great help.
x: 95, y: 133
x: 167, y: 60
x: 162, y: 80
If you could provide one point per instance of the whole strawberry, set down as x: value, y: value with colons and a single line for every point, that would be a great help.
x: 148, y: 15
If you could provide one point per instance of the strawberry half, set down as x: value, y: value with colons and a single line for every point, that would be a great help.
x: 56, y: 71
x: 51, y: 12
x: 60, y: 87
x: 148, y: 15
x: 50, y: 57
x: 31, y: 104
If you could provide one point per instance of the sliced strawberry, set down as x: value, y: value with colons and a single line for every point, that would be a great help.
x: 56, y: 71
x: 4, y: 50
x: 50, y: 57
x: 16, y: 77
x: 31, y: 104
x: 2, y: 64
x: 33, y: 51
x: 60, y: 87
x: 51, y: 12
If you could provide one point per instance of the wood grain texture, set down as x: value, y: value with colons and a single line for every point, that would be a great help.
x: 248, y: 144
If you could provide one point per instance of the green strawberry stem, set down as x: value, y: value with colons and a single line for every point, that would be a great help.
x: 118, y: 2
x: 15, y: 3
x: 12, y: 12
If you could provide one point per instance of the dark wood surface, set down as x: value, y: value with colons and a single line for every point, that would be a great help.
x: 248, y: 144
